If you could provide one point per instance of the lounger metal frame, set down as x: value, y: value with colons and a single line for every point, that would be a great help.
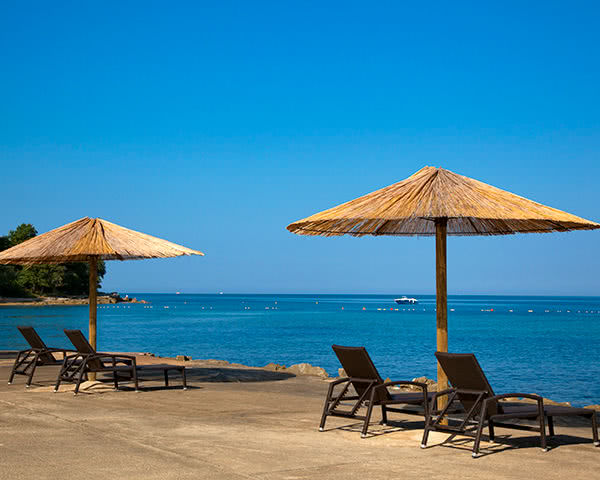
x: 76, y: 367
x: 484, y: 409
x: 37, y: 355
x: 369, y: 392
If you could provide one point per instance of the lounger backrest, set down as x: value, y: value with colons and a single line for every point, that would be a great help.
x: 35, y: 342
x: 83, y: 346
x: 358, y: 364
x: 464, y: 372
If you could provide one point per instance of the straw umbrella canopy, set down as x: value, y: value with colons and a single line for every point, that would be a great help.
x: 435, y: 201
x: 90, y: 240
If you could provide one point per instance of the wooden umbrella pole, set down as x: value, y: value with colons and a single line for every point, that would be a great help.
x: 93, y: 307
x: 441, y: 226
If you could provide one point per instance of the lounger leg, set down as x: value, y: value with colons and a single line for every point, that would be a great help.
x: 60, y: 374
x: 82, y: 370
x: 367, y: 420
x: 550, y: 426
x: 425, y: 433
x: 325, y: 408
x: 115, y: 379
x: 595, y: 430
x: 30, y: 376
x: 135, y: 379
x: 12, y: 376
x: 184, y: 379
x: 491, y: 431
x: 32, y: 366
x: 384, y: 416
x: 14, y: 369
x: 166, y: 372
x: 543, y: 443
x: 475, y: 453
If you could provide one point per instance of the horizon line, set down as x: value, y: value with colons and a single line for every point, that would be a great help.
x: 356, y: 294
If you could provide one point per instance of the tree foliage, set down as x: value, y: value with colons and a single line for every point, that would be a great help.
x: 62, y: 279
x: 23, y: 232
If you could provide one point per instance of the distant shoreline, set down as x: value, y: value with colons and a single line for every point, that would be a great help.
x: 64, y: 301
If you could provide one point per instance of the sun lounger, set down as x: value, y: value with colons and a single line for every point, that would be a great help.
x: 123, y: 367
x: 76, y: 367
x: 472, y: 389
x: 369, y: 390
x: 37, y: 355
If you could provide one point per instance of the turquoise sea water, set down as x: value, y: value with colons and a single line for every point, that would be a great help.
x: 546, y: 345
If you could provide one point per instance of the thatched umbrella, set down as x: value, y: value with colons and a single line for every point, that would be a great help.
x: 90, y: 240
x: 435, y: 201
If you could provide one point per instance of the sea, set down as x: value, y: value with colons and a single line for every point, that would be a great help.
x: 530, y: 344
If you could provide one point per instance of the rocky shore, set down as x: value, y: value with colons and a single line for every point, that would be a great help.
x: 70, y: 300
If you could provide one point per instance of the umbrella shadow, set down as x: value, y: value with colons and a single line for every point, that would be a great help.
x: 239, y: 375
x: 212, y: 375
x: 194, y: 375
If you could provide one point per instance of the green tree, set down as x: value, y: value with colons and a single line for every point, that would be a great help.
x: 77, y: 277
x: 23, y: 232
x: 9, y: 286
x: 4, y: 242
x: 63, y: 279
x: 42, y: 279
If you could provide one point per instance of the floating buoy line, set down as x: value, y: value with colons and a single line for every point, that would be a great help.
x: 386, y: 309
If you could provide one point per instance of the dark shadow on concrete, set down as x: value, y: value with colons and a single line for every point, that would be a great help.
x: 8, y: 354
x: 226, y: 375
x: 509, y: 442
x: 376, y: 429
x: 214, y: 375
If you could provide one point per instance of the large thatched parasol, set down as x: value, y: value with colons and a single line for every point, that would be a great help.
x: 439, y: 202
x: 90, y: 240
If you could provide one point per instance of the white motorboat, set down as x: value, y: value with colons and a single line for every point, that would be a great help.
x: 404, y: 300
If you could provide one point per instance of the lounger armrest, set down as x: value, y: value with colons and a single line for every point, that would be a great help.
x: 470, y: 392
x: 64, y: 351
x: 339, y: 380
x: 531, y: 396
x: 76, y: 355
x: 27, y: 350
x: 442, y: 393
x: 347, y: 381
x: 362, y: 380
x: 422, y: 386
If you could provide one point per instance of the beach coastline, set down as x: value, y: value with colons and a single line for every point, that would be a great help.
x: 66, y: 300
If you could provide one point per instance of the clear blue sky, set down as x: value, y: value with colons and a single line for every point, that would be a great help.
x: 215, y: 125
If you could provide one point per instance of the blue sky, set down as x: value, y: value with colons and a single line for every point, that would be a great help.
x: 215, y: 125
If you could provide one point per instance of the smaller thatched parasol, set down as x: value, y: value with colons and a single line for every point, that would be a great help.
x: 435, y: 201
x: 90, y: 240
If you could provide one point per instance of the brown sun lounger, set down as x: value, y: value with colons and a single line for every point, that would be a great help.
x: 76, y: 367
x: 369, y: 390
x: 471, y: 388
x: 123, y: 367
x: 37, y: 355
